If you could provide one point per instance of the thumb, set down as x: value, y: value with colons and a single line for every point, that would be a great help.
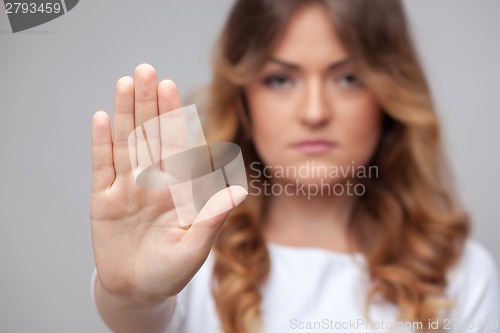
x: 212, y: 216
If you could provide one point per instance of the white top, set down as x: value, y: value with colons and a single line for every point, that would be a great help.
x: 315, y: 290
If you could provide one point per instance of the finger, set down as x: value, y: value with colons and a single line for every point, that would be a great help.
x: 123, y: 124
x: 168, y: 96
x: 103, y: 171
x: 212, y: 216
x: 146, y: 105
x: 146, y: 112
x: 170, y: 129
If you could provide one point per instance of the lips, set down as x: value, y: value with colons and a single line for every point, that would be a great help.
x: 315, y: 146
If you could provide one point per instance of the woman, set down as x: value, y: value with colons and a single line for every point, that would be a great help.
x: 310, y: 91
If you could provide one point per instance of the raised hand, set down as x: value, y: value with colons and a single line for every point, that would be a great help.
x: 142, y: 254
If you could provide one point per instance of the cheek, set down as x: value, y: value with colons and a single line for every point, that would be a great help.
x: 262, y: 111
x: 269, y: 117
x: 359, y: 125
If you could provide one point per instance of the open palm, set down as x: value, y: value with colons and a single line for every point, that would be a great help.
x: 141, y: 252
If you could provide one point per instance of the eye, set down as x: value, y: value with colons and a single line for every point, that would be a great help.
x: 279, y: 81
x: 348, y: 80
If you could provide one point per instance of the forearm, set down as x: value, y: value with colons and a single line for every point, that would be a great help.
x: 122, y: 317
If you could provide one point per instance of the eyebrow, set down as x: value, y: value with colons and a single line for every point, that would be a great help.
x: 332, y: 66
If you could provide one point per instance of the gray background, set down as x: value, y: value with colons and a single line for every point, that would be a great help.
x: 54, y: 77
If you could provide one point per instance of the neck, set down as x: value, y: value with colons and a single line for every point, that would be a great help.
x: 316, y: 221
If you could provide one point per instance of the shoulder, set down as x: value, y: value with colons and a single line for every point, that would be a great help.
x: 476, y: 261
x: 476, y: 256
x: 474, y: 285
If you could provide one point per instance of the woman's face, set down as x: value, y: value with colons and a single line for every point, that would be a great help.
x: 308, y: 109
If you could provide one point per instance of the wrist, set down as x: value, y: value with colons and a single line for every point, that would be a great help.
x: 129, y: 302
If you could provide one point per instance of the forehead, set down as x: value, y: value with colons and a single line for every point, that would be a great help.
x: 310, y: 38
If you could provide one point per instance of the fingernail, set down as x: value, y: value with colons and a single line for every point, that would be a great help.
x: 238, y: 193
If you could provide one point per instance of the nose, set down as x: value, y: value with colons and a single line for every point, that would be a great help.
x: 314, y: 111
